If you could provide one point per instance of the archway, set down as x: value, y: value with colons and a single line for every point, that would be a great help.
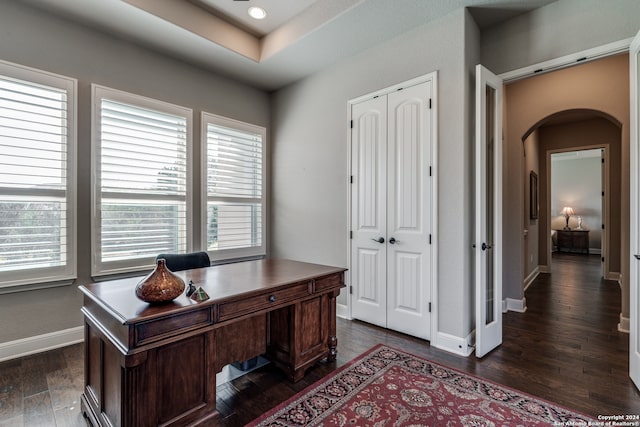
x: 570, y: 130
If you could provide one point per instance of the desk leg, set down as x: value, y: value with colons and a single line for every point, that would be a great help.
x: 333, y: 339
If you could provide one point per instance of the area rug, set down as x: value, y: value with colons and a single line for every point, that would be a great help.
x: 388, y: 387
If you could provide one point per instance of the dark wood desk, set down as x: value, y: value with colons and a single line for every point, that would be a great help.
x: 573, y: 240
x: 156, y: 365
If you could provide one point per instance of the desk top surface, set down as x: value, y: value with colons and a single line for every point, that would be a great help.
x: 221, y: 282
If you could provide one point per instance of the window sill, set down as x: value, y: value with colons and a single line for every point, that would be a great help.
x: 10, y: 289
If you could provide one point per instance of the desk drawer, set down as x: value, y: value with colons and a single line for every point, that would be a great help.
x: 328, y: 282
x: 165, y: 327
x: 264, y: 300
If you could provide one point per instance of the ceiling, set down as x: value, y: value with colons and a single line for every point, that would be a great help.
x: 298, y: 37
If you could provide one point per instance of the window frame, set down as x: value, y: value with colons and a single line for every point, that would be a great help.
x: 235, y: 254
x: 23, y: 279
x: 98, y: 92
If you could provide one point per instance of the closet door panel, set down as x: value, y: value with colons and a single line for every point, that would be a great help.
x: 368, y: 210
x: 408, y: 210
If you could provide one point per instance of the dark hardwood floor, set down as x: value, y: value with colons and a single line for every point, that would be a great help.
x: 565, y: 349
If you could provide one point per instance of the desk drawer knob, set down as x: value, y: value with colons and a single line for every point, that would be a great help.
x: 272, y: 298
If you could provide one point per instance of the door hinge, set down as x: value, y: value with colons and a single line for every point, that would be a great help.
x: 351, y: 179
x: 350, y: 290
x: 429, y: 307
x: 602, y: 259
x: 603, y: 226
x: 430, y: 171
x: 603, y: 194
x: 351, y: 234
x: 429, y: 238
x: 351, y: 124
x: 430, y: 103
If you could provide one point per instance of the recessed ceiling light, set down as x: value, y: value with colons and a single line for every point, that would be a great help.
x: 257, y: 12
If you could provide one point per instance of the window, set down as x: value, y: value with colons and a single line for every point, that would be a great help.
x: 142, y: 180
x: 37, y: 176
x: 234, y: 212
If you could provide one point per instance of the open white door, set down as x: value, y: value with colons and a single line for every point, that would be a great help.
x: 488, y: 205
x: 634, y: 268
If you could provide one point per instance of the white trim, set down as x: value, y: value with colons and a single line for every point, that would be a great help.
x: 567, y: 60
x: 37, y: 344
x: 413, y: 82
x: 454, y: 344
x: 431, y: 77
x: 531, y: 277
x: 623, y: 326
x: 342, y: 311
x: 517, y: 305
x: 544, y: 269
x: 612, y: 275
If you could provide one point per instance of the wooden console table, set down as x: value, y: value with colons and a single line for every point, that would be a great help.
x: 149, y: 365
x: 573, y: 240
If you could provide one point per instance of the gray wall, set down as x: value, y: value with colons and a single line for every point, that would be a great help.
x: 560, y: 28
x: 32, y: 38
x: 577, y: 182
x: 310, y: 151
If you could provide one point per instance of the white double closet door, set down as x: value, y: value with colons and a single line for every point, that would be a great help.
x: 391, y: 210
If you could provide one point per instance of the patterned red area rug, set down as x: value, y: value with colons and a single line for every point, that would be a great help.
x: 388, y: 387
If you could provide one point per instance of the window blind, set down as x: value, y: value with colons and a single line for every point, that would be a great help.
x: 143, y: 184
x: 35, y: 204
x: 235, y: 203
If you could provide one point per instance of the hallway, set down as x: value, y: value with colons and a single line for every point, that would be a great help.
x: 567, y: 341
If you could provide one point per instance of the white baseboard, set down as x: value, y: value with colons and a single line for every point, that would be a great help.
x: 26, y: 346
x: 512, y: 304
x: 531, y: 277
x: 456, y: 345
x: 342, y: 310
x: 595, y: 251
x: 544, y: 269
x: 623, y: 326
x: 613, y: 276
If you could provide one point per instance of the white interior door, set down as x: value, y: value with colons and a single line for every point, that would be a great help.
x: 369, y: 211
x: 634, y: 303
x: 408, y: 212
x: 391, y: 210
x: 488, y: 206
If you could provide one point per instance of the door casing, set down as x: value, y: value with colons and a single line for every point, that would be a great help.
x: 345, y: 309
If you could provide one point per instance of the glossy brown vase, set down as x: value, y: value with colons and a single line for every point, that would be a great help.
x: 160, y: 286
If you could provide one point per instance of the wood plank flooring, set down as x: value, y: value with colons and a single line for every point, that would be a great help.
x: 565, y: 349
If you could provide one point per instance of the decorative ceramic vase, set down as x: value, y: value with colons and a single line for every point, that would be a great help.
x: 161, y: 285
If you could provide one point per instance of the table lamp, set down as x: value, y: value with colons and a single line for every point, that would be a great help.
x: 567, y: 212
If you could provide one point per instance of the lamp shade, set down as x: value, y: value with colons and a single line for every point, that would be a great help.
x: 567, y: 211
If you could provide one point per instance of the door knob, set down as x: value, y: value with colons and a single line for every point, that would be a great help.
x: 392, y: 240
x: 484, y: 246
x: 637, y: 256
x: 379, y: 240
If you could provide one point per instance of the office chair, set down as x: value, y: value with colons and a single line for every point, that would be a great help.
x: 178, y: 262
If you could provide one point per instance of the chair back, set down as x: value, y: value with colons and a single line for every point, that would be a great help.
x: 178, y: 262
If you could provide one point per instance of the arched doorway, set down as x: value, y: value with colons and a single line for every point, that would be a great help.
x: 597, y: 90
x: 570, y: 130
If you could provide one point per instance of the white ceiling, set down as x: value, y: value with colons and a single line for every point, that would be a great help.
x: 298, y: 38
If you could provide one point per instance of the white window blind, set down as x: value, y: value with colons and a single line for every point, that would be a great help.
x: 142, y: 180
x: 37, y: 176
x: 235, y: 212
